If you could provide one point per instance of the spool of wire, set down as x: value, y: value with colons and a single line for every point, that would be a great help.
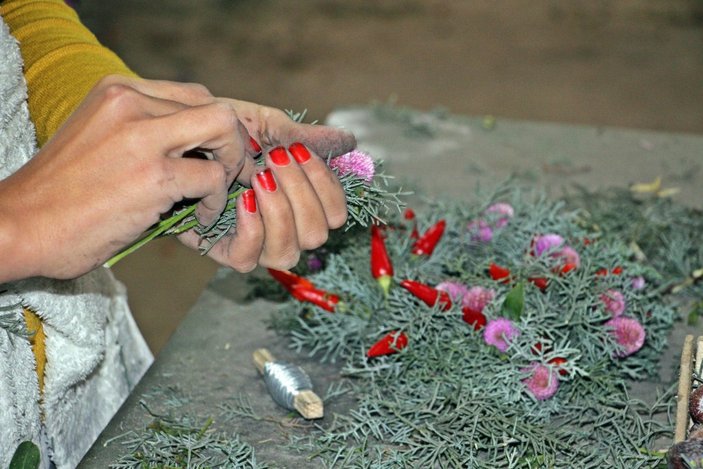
x: 289, y: 385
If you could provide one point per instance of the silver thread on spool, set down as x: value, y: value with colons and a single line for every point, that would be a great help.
x: 289, y: 385
x: 285, y: 381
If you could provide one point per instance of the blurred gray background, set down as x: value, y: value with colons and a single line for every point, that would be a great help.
x: 635, y: 63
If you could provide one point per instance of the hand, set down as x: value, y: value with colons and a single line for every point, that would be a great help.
x: 308, y: 199
x: 273, y: 226
x: 111, y: 170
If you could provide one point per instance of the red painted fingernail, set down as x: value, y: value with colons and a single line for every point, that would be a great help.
x: 299, y: 152
x: 279, y: 156
x: 267, y: 180
x: 249, y: 200
x: 255, y: 145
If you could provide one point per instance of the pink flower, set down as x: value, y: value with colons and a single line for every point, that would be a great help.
x: 501, y: 208
x: 499, y: 333
x: 614, y: 302
x: 638, y: 283
x: 455, y: 290
x: 476, y: 298
x: 568, y: 256
x: 628, y: 333
x: 546, y: 243
x: 480, y: 231
x: 355, y: 162
x: 543, y: 383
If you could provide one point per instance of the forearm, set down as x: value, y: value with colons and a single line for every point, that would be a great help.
x: 63, y: 60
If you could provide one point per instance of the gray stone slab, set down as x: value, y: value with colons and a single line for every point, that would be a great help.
x: 209, y: 357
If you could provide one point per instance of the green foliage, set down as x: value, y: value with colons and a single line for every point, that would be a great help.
x: 26, y: 456
x: 450, y: 400
x: 514, y: 303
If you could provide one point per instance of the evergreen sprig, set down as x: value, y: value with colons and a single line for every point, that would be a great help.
x: 450, y: 400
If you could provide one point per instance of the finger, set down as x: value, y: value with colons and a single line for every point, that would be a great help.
x: 327, y: 187
x: 280, y: 250
x: 241, y: 251
x: 214, y: 127
x: 186, y: 178
x: 191, y: 94
x: 308, y: 212
x: 272, y: 127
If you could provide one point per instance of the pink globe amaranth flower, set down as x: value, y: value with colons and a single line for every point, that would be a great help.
x: 477, y: 298
x: 628, y: 333
x: 543, y: 381
x: 480, y: 230
x: 614, y: 302
x: 500, y: 333
x: 638, y: 283
x: 455, y: 290
x: 501, y: 208
x: 545, y: 243
x: 568, y: 256
x: 355, y: 162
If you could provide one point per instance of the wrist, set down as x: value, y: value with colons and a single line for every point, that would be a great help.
x: 16, y: 250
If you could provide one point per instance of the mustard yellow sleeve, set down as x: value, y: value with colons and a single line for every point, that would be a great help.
x: 63, y: 60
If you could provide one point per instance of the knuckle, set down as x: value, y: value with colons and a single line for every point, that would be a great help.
x: 198, y: 90
x: 314, y: 239
x: 338, y: 218
x: 119, y: 96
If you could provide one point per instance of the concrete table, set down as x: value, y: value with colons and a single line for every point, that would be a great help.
x: 438, y: 155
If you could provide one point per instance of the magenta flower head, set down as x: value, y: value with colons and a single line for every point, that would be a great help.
x: 543, y: 381
x: 500, y: 333
x: 476, y: 298
x: 638, y: 283
x: 628, y: 333
x: 568, y: 255
x: 480, y: 231
x: 356, y: 162
x: 545, y: 243
x: 503, y: 211
x: 455, y: 290
x: 614, y: 302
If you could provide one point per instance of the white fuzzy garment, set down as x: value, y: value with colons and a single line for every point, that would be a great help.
x: 95, y: 352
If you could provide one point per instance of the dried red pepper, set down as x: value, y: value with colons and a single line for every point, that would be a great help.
x: 381, y: 265
x: 499, y: 273
x: 429, y: 295
x: 540, y: 282
x: 557, y: 362
x: 473, y: 317
x: 304, y: 290
x: 410, y: 216
x: 617, y: 270
x: 325, y: 300
x: 290, y: 280
x: 389, y: 344
x: 425, y: 244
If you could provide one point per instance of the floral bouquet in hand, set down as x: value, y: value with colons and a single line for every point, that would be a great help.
x: 365, y: 185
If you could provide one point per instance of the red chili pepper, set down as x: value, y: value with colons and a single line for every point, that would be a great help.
x: 474, y: 318
x: 499, y: 273
x: 389, y: 344
x: 425, y: 244
x: 290, y: 280
x: 617, y: 270
x: 429, y: 295
x: 566, y: 268
x: 540, y: 282
x: 409, y: 215
x: 381, y: 265
x: 558, y: 362
x: 325, y: 300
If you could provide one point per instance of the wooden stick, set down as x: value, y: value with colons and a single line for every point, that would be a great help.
x: 306, y: 402
x: 684, y: 390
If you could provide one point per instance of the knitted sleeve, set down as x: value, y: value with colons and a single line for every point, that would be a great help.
x: 63, y: 60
